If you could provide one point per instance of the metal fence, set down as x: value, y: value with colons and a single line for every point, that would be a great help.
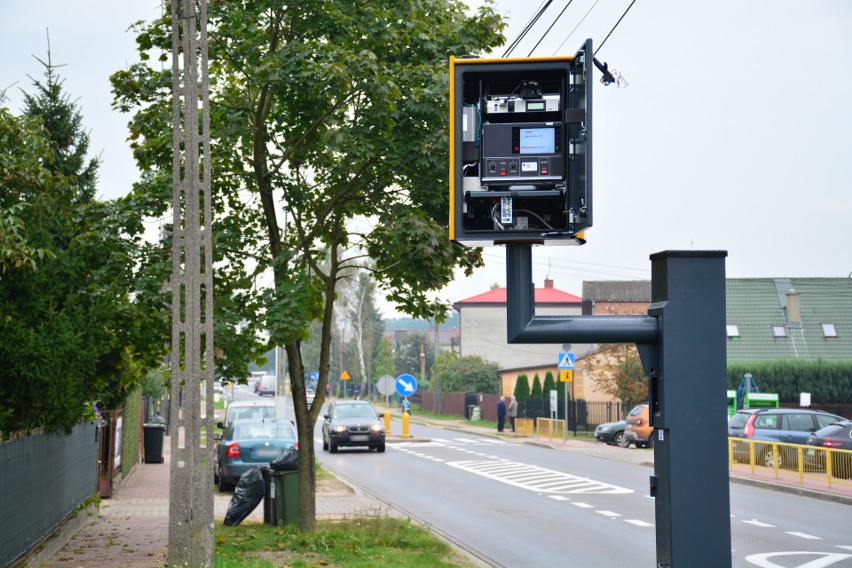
x: 45, y: 478
x: 808, y: 464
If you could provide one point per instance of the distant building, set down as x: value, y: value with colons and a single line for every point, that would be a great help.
x: 483, y: 327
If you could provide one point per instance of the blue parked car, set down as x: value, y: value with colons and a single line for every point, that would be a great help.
x: 250, y: 443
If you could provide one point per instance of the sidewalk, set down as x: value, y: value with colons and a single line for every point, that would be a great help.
x: 131, y: 529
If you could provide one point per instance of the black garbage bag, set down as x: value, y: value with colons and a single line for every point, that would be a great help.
x: 288, y: 462
x: 247, y: 495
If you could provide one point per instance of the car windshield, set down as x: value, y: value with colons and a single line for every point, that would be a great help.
x: 354, y: 411
x: 739, y: 419
x: 264, y: 431
x: 253, y: 413
x: 831, y: 430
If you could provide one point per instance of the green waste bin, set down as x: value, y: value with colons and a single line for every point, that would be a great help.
x: 286, y: 492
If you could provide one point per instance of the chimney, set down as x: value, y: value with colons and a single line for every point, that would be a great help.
x: 548, y: 283
x: 794, y: 313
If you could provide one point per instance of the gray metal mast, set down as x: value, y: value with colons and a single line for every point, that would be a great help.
x: 190, y: 425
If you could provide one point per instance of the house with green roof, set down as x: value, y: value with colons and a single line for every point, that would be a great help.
x: 789, y: 318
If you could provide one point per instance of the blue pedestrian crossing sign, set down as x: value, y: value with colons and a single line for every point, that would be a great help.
x: 406, y: 385
x: 566, y: 360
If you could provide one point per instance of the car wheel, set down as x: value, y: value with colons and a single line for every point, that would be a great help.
x: 768, y: 458
x: 224, y: 485
x: 324, y: 445
x: 332, y: 447
x: 620, y: 440
x: 380, y: 448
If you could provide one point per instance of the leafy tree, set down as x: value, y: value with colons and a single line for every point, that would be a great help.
x: 549, y: 384
x: 623, y: 376
x: 72, y: 331
x: 535, y: 392
x: 333, y: 113
x: 471, y: 374
x: 522, y: 388
x: 407, y: 356
x: 383, y: 360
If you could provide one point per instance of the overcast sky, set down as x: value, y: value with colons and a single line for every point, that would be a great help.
x: 733, y: 133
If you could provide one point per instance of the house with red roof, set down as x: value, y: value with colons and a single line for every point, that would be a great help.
x: 482, y: 325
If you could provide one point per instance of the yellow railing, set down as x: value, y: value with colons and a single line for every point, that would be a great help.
x: 807, y: 463
x: 546, y: 428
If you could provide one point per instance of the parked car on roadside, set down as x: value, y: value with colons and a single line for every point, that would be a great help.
x: 782, y: 425
x: 250, y: 443
x: 836, y: 437
x: 639, y: 430
x: 612, y: 433
x: 352, y: 423
x: 255, y: 408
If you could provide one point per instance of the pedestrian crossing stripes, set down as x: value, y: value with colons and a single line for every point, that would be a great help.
x: 538, y: 479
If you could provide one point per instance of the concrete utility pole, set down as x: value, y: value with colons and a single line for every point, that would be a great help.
x: 191, y: 474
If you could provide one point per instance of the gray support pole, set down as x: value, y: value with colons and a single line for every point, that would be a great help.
x: 682, y: 346
x: 190, y: 426
x: 688, y: 410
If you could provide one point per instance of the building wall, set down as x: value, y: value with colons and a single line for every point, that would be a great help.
x: 483, y: 333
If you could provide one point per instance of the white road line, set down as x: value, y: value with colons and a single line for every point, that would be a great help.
x: 559, y: 498
x: 757, y: 523
x: 537, y: 479
x: 583, y: 505
x: 638, y: 523
x: 804, y: 535
x: 610, y: 514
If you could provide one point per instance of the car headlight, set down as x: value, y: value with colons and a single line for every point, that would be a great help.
x: 340, y: 429
x: 377, y: 428
x: 605, y: 428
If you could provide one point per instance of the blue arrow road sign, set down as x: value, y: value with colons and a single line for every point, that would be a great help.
x: 566, y: 360
x: 406, y: 385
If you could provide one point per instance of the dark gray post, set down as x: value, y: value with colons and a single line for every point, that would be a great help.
x: 688, y: 410
x: 682, y: 346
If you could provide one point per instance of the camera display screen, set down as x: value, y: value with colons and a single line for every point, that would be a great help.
x: 537, y: 141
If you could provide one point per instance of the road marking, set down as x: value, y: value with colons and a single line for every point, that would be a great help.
x: 804, y: 535
x: 583, y: 505
x: 559, y: 498
x: 538, y: 479
x: 638, y: 523
x: 757, y: 523
x: 610, y: 514
x: 824, y: 560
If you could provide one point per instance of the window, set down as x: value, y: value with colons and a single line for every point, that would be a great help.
x: 829, y: 330
x: 733, y: 331
x: 779, y: 331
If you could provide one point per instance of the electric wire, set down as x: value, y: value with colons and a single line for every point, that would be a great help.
x: 613, y: 27
x: 547, y: 31
x: 575, y: 27
x: 527, y: 28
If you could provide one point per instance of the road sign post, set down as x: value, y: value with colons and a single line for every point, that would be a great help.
x: 566, y: 362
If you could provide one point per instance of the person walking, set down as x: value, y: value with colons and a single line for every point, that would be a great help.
x: 501, y: 413
x: 512, y: 411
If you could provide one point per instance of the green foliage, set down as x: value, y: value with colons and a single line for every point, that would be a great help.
x: 383, y: 362
x: 470, y: 374
x: 407, y: 355
x: 549, y: 384
x: 536, y: 391
x: 522, y: 388
x: 130, y: 435
x: 623, y: 376
x: 826, y: 380
x: 72, y: 329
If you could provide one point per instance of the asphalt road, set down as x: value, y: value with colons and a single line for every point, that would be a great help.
x: 514, y: 504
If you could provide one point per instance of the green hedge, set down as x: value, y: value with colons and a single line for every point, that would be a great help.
x: 130, y: 431
x: 827, y: 381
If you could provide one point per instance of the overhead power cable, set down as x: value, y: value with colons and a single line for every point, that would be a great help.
x: 613, y: 27
x: 527, y: 28
x: 547, y: 31
x: 575, y: 27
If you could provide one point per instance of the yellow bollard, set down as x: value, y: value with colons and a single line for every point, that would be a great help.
x: 387, y: 422
x: 405, y: 418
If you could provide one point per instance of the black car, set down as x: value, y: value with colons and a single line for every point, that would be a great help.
x: 834, y: 439
x: 612, y: 433
x: 352, y: 423
x: 769, y: 425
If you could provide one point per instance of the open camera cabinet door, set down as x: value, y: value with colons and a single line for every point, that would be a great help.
x: 521, y: 149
